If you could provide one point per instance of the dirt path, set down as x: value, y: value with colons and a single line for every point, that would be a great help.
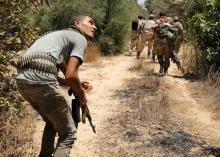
x: 190, y: 101
x: 193, y: 131
x: 107, y: 76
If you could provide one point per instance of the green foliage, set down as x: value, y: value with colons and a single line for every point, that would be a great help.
x: 170, y: 7
x: 116, y: 32
x: 4, y: 57
x: 112, y: 19
x: 202, y: 18
x: 205, y: 28
x: 58, y: 16
x: 15, y: 30
x: 169, y: 32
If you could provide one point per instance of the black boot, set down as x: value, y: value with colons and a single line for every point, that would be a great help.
x: 148, y: 54
x: 161, y: 69
x: 153, y: 57
x: 165, y: 70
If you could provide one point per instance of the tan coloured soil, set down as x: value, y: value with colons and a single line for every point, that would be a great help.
x: 191, y: 128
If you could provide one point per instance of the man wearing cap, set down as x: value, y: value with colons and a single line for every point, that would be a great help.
x: 38, y: 82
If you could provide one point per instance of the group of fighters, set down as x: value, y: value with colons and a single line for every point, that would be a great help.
x: 146, y: 33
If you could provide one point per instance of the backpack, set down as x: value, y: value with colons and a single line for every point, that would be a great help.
x: 167, y: 31
x: 134, y: 25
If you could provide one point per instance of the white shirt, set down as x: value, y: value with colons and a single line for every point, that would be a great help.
x: 148, y: 25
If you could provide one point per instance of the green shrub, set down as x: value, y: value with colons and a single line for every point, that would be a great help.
x: 205, y: 28
x: 60, y: 12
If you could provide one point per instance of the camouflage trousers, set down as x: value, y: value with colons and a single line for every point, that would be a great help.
x: 49, y: 101
x: 163, y: 49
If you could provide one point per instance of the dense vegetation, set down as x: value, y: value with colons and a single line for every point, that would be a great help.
x: 15, y: 30
x: 112, y: 19
x: 205, y: 28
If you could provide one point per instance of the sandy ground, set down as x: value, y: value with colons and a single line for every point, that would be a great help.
x: 192, y: 128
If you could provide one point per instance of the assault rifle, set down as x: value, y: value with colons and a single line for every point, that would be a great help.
x: 75, y: 106
x: 76, y: 111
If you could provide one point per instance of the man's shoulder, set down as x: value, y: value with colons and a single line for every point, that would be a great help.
x: 62, y: 33
x: 74, y: 34
x: 179, y: 24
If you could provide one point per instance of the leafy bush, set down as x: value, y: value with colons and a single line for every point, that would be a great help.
x: 4, y: 57
x: 15, y: 29
x: 60, y: 12
x: 205, y: 28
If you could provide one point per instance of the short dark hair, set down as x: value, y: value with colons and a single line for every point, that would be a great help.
x: 79, y: 17
x: 162, y: 14
x: 140, y: 17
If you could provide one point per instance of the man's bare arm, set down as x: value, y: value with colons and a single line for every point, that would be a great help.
x: 72, y: 79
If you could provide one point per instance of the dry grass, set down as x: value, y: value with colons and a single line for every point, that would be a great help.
x: 143, y: 111
x: 193, y: 60
x: 189, y: 57
x: 16, y: 133
x: 138, y: 66
x: 145, y: 123
x: 16, y: 121
x: 93, y: 52
x: 147, y: 99
x: 145, y: 126
x: 210, y: 95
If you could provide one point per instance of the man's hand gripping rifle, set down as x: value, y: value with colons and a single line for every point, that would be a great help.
x: 76, y: 111
x: 75, y: 106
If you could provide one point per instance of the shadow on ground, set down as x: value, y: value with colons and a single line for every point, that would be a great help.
x: 184, y: 144
x: 145, y: 125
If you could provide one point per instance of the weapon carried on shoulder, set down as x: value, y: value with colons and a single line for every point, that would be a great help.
x: 76, y: 111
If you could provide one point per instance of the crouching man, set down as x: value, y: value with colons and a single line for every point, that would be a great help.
x: 38, y: 82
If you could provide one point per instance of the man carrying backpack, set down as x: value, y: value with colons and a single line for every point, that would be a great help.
x: 163, y: 47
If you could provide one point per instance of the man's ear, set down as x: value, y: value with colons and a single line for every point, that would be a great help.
x: 77, y: 23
